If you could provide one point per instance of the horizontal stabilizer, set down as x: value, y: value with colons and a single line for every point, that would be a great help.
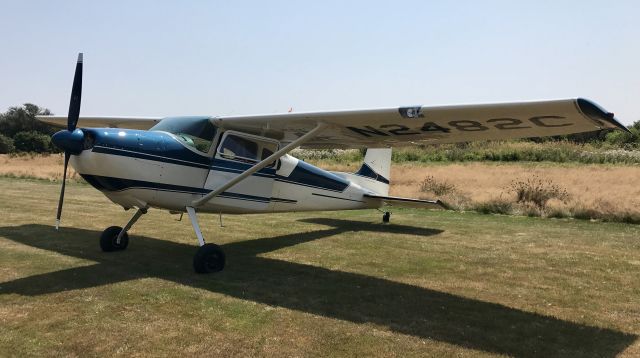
x: 408, y: 203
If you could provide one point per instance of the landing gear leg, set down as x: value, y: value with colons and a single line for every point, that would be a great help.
x: 209, y: 257
x: 386, y: 217
x: 115, y: 238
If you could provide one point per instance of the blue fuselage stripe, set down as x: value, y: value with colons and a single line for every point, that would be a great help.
x: 141, y: 155
x: 367, y: 172
x: 112, y: 184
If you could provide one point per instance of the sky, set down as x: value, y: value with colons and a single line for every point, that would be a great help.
x: 162, y: 58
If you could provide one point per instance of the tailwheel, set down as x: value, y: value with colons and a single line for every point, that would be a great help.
x: 386, y: 217
x: 209, y: 258
x: 109, y: 239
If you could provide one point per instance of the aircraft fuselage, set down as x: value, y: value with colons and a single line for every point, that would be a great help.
x: 136, y: 168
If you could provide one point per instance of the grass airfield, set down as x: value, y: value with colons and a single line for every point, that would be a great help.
x: 312, y: 284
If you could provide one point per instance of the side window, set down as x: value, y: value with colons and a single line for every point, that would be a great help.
x: 246, y: 149
x: 239, y: 148
x: 266, y: 152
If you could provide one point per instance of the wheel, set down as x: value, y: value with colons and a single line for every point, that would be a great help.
x: 108, y: 239
x: 386, y: 216
x: 209, y: 258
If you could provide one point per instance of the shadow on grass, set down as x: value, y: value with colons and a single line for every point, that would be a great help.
x: 346, y: 296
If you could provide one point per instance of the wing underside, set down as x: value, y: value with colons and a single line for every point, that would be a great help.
x: 421, y: 125
x: 404, y: 126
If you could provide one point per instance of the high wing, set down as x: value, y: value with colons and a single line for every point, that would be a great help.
x: 394, y: 127
x: 404, y: 126
x: 102, y: 122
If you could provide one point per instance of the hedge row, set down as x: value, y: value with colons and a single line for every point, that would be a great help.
x: 31, y: 141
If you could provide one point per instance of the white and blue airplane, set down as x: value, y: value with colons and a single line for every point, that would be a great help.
x: 241, y: 165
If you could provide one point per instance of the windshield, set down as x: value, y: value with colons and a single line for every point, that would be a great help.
x: 195, y: 132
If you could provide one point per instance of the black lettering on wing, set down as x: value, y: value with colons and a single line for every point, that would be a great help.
x: 540, y: 121
x: 399, y: 129
x: 433, y: 127
x: 368, y: 131
x: 468, y: 126
x: 507, y: 123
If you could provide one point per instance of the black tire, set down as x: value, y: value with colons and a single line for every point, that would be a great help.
x: 209, y: 258
x: 386, y: 217
x: 108, y: 239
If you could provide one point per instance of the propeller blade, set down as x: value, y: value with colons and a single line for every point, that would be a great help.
x: 64, y: 181
x: 72, y: 121
x: 76, y: 95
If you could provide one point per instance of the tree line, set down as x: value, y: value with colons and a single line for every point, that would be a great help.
x: 20, y: 131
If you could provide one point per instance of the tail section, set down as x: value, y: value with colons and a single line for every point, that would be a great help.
x: 373, y: 176
x: 377, y: 168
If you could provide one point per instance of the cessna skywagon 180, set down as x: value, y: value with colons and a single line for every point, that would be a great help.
x: 241, y: 165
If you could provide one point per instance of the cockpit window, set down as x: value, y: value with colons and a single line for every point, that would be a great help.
x: 195, y: 132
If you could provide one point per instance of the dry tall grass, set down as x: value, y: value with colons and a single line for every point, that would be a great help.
x: 590, y: 185
x: 594, y: 191
x: 34, y: 166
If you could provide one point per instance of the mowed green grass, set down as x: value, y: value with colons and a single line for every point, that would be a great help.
x: 312, y: 284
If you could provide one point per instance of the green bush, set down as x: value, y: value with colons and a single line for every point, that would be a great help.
x: 627, y: 140
x: 501, y: 151
x: 6, y: 145
x: 32, y: 142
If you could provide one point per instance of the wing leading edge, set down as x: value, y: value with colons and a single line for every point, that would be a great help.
x: 104, y: 122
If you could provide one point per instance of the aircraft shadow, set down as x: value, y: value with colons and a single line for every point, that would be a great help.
x: 352, y: 297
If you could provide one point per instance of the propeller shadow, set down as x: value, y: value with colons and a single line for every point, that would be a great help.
x: 352, y: 297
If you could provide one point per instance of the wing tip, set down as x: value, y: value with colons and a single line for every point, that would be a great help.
x: 598, y: 114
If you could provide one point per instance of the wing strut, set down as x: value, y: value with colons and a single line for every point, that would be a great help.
x: 275, y: 156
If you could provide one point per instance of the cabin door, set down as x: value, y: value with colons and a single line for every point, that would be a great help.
x: 237, y: 152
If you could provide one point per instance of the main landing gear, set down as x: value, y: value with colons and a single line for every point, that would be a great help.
x: 386, y: 217
x: 209, y: 257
